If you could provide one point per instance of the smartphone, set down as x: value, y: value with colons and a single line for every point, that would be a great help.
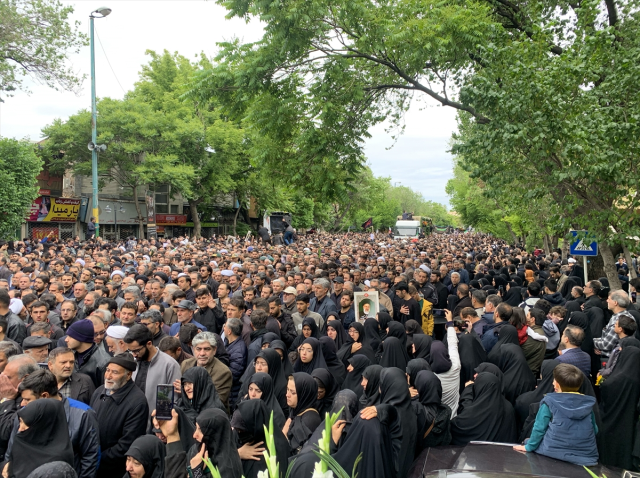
x: 501, y: 289
x: 438, y: 313
x: 164, y: 402
x: 633, y: 297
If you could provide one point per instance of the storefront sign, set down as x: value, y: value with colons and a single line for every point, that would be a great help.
x: 48, y: 209
x: 171, y: 219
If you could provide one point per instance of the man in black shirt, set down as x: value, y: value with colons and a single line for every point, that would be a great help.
x: 409, y: 308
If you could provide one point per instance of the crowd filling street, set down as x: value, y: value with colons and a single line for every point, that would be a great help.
x: 147, y: 358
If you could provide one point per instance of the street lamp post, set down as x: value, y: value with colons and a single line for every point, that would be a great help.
x: 102, y: 12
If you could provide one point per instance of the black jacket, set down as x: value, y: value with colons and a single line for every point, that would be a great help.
x: 8, y: 411
x: 210, y: 318
x: 122, y: 417
x: 82, y: 387
x: 94, y: 365
x: 287, y: 328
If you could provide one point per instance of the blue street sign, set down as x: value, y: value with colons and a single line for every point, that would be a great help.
x: 584, y: 246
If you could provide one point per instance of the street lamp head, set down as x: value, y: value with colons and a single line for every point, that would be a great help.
x: 102, y: 11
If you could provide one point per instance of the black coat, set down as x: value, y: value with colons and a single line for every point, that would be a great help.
x: 82, y: 387
x: 122, y: 417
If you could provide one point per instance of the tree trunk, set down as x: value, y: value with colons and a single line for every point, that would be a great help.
x: 235, y: 221
x: 609, y: 264
x: 627, y: 255
x: 139, y: 212
x: 565, y: 248
x: 545, y: 244
x: 513, y: 234
x: 197, y: 226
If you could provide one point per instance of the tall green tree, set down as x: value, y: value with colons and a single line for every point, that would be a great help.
x: 36, y: 38
x: 19, y: 167
x: 141, y: 145
x: 212, y: 146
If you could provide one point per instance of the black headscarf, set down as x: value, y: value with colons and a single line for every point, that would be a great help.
x: 149, y: 451
x: 513, y: 296
x: 46, y: 439
x: 341, y: 335
x: 286, y: 364
x: 354, y: 378
x: 394, y: 391
x: 580, y: 319
x: 484, y: 414
x: 429, y: 390
x: 315, y: 333
x: 334, y: 365
x: 372, y: 334
x: 491, y: 368
x: 433, y: 417
x: 472, y: 354
x: 219, y: 442
x: 413, y: 327
x: 249, y: 421
x: 619, y: 395
x: 316, y: 362
x: 414, y: 367
x: 328, y: 382
x: 204, y: 393
x: 439, y: 360
x: 54, y: 469
x: 304, y: 418
x: 384, y: 320
x: 345, y: 353
x: 274, y: 363
x: 544, y: 386
x: 372, y: 440
x: 518, y: 378
x: 422, y: 344
x: 264, y: 382
x: 369, y: 438
x: 371, y: 394
x: 344, y: 400
x: 394, y: 354
x: 508, y: 334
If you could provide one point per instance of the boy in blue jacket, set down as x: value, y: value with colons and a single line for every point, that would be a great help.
x: 565, y: 426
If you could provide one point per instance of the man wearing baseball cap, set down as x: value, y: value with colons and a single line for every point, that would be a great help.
x: 185, y: 310
x: 91, y: 359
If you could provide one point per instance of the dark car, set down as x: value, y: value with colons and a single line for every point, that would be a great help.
x: 493, y: 460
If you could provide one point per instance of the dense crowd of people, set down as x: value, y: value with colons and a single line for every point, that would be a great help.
x: 473, y: 340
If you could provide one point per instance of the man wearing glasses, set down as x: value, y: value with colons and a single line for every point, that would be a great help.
x: 152, y: 365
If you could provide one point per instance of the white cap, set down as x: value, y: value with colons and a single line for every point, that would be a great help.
x: 117, y: 331
x: 425, y: 268
x: 117, y: 273
x: 227, y: 273
x: 571, y: 260
x: 16, y: 306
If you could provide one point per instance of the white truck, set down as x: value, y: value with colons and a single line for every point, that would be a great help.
x: 407, y: 230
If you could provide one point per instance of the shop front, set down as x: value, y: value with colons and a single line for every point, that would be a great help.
x: 53, y: 215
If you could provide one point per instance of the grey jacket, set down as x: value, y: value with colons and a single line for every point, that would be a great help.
x: 162, y: 370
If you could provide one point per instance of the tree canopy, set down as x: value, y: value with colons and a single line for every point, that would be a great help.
x: 36, y: 39
x: 19, y: 167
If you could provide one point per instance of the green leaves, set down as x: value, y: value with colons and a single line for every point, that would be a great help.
x: 35, y: 39
x: 19, y: 167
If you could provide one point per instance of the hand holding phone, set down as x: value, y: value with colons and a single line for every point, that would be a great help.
x: 164, y: 401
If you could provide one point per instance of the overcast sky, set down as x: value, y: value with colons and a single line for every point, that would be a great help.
x: 418, y: 159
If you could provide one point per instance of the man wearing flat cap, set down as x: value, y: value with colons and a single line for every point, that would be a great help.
x: 37, y: 347
x: 185, y: 310
x: 122, y: 413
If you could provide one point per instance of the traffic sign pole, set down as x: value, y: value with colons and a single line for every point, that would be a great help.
x: 584, y: 259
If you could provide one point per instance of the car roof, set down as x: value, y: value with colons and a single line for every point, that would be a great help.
x: 489, y: 460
